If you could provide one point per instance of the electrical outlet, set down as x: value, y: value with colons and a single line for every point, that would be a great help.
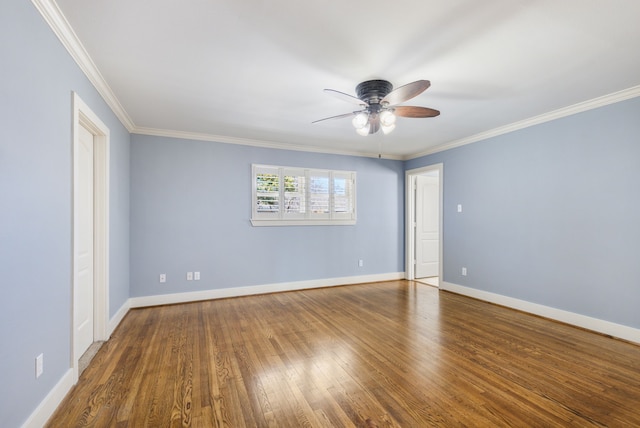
x: 360, y: 263
x: 459, y: 208
x: 464, y: 271
x: 189, y: 276
x: 39, y: 365
x: 163, y: 277
x: 196, y: 276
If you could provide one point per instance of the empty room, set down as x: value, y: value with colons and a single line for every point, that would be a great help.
x: 321, y: 214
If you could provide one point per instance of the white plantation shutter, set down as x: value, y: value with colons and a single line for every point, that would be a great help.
x: 286, y: 196
x: 343, y: 195
x: 295, y: 189
x: 266, y: 192
x: 319, y: 194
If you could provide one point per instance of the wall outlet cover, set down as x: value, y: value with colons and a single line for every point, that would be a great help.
x: 39, y: 365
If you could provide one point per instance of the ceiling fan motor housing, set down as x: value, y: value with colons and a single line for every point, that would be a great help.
x: 373, y: 91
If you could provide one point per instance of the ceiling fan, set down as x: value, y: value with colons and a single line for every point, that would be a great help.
x: 378, y: 101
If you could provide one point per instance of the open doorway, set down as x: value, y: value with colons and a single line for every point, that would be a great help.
x: 424, y: 224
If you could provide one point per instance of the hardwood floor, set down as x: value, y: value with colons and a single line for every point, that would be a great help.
x: 392, y: 354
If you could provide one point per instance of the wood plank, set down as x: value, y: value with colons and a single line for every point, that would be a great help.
x: 389, y: 354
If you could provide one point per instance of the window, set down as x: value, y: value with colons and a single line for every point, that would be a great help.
x: 286, y: 196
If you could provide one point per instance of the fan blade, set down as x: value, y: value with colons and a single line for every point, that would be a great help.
x: 406, y: 92
x: 345, y: 97
x: 412, y: 111
x: 340, y: 116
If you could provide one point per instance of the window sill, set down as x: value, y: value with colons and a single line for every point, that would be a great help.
x: 261, y: 223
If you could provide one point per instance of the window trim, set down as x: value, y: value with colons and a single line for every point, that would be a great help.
x: 308, y: 218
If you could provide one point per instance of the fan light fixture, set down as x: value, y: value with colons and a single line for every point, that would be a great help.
x: 364, y: 131
x: 363, y: 121
x: 387, y: 121
x: 360, y: 120
x: 379, y: 104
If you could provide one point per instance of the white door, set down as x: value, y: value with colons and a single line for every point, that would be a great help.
x: 427, y: 226
x: 83, y: 241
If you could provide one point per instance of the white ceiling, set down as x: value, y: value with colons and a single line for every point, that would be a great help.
x: 253, y: 71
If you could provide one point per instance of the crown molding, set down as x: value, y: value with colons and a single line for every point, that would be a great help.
x: 251, y: 142
x: 536, y: 120
x: 62, y: 29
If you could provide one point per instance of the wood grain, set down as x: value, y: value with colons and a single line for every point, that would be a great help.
x: 392, y: 354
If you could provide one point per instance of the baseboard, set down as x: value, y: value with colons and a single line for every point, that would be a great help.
x: 117, y: 318
x: 51, y: 402
x: 594, y: 324
x: 45, y: 409
x: 194, y: 296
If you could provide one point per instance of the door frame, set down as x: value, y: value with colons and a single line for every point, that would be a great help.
x: 84, y: 116
x: 410, y: 218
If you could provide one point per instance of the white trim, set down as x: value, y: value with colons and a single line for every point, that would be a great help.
x: 101, y: 229
x: 409, y: 235
x: 45, y: 409
x: 305, y: 216
x: 278, y: 222
x: 115, y: 321
x: 194, y: 296
x: 536, y: 120
x: 48, y: 406
x: 594, y: 324
x: 410, y: 209
x: 598, y: 102
x: 84, y: 116
x: 62, y: 29
x: 253, y: 143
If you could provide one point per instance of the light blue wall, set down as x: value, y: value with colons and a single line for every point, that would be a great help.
x: 190, y: 211
x: 37, y: 77
x: 551, y: 213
